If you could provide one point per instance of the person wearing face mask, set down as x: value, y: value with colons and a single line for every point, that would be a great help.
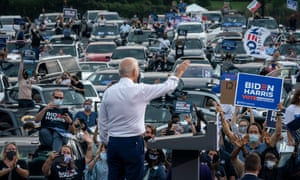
x: 270, y: 159
x: 55, y: 122
x: 64, y: 166
x: 88, y: 115
x: 11, y: 166
x: 157, y: 165
x: 97, y: 168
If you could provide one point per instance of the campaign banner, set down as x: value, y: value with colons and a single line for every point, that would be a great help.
x: 293, y: 5
x: 3, y: 40
x: 70, y: 13
x: 183, y: 107
x: 254, y: 39
x: 256, y: 91
x: 19, y: 21
x: 228, y: 45
x: 253, y: 6
x: 271, y: 119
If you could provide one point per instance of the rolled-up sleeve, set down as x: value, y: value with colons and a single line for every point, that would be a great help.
x: 152, y: 91
x: 102, y: 124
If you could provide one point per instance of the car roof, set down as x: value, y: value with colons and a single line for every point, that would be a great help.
x: 131, y: 47
x: 102, y: 42
x: 20, y: 140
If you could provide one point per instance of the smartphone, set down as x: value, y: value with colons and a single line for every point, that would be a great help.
x: 59, y: 158
x: 65, y: 110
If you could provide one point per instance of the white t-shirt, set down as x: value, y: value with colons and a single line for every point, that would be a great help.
x: 291, y: 112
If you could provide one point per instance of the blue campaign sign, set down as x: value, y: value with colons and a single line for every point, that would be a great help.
x: 228, y: 76
x: 228, y: 45
x: 70, y: 13
x: 271, y: 119
x: 262, y: 92
x: 183, y: 107
x: 3, y: 42
x: 292, y: 5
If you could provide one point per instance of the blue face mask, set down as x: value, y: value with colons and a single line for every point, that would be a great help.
x: 57, y: 102
x: 87, y: 107
x: 253, y: 138
x: 67, y: 158
x: 243, y: 129
x: 103, y: 156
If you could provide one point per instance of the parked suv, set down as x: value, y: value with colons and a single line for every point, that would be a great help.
x: 51, y: 68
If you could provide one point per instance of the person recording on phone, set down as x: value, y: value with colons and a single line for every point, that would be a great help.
x: 55, y: 122
x: 62, y: 164
x: 25, y: 83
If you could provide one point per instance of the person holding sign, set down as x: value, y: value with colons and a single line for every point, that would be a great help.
x: 292, y: 118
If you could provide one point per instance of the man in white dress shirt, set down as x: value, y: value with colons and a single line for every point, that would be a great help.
x: 121, y: 123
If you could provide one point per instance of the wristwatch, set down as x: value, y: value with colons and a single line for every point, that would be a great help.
x: 18, y: 166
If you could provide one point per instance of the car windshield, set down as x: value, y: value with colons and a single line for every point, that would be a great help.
x: 284, y: 48
x: 198, y: 72
x: 103, y: 78
x: 17, y: 47
x: 239, y: 48
x: 190, y: 44
x: 66, y: 50
x: 7, y: 21
x: 266, y: 23
x: 157, y: 114
x: 100, y: 48
x: 110, y: 17
x: 238, y: 20
x: 140, y: 36
x: 122, y: 53
x: 191, y: 28
x: 92, y: 67
x: 89, y: 91
x: 105, y: 30
x: 11, y: 69
x: 92, y: 15
x: 212, y: 16
x: 71, y: 97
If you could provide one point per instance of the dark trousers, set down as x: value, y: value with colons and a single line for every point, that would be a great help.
x: 125, y: 158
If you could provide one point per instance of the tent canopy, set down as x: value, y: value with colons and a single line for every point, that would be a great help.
x: 195, y: 8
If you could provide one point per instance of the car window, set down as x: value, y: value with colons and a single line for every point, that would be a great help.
x: 156, y: 114
x: 200, y: 72
x: 71, y: 97
x: 105, y: 30
x: 101, y: 48
x: 89, y: 91
x: 122, y: 53
x: 67, y: 50
x: 69, y: 64
x: 53, y: 67
x: 191, y: 28
x: 103, y: 79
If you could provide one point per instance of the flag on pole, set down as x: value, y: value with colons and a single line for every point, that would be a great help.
x: 253, y: 6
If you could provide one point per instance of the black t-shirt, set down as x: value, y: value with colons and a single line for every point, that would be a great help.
x: 78, y: 85
x: 14, y: 174
x: 53, y: 118
x: 67, y: 173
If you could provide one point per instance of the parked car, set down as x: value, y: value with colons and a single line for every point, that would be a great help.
x: 106, y: 32
x: 192, y: 28
x: 88, y: 67
x: 138, y: 52
x: 51, y: 68
x: 99, y: 51
x: 11, y: 119
x: 42, y: 93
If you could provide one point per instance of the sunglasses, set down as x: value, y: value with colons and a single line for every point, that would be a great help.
x: 56, y: 97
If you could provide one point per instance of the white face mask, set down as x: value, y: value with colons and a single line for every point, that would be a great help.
x: 67, y: 158
x: 253, y: 138
x: 270, y: 164
x: 57, y: 102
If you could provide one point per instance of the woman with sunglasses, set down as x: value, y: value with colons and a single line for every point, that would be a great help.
x: 11, y: 166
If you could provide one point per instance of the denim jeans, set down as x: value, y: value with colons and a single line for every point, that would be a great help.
x: 52, y: 139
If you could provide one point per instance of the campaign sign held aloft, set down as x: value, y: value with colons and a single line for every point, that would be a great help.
x: 183, y: 107
x: 70, y: 13
x: 262, y: 92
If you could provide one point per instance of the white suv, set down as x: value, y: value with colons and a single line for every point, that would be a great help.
x: 192, y: 28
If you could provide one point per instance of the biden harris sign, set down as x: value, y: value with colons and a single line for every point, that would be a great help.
x: 262, y: 92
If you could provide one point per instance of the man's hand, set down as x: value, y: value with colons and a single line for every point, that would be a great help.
x: 182, y: 68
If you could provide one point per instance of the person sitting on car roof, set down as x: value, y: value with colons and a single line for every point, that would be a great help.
x: 56, y: 122
x: 12, y: 167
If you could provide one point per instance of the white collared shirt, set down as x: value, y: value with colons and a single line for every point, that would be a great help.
x: 122, y: 111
